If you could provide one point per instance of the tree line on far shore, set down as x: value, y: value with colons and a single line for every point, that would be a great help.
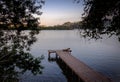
x: 65, y: 26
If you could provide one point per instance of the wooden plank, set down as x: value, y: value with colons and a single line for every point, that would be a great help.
x: 84, y: 72
x: 51, y: 51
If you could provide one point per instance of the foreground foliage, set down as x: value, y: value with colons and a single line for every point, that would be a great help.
x: 101, y: 17
x: 19, y: 13
x: 15, y: 56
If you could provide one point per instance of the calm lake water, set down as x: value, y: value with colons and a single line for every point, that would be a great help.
x: 101, y: 55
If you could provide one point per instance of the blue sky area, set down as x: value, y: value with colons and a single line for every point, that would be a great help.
x: 59, y: 11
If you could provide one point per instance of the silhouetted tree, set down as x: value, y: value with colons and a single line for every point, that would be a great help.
x: 101, y: 17
x: 15, y: 56
x: 19, y: 13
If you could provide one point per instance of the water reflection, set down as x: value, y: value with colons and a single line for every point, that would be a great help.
x: 101, y: 55
x: 15, y: 56
x: 69, y: 74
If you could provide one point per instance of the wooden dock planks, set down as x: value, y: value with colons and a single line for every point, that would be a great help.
x: 84, y: 72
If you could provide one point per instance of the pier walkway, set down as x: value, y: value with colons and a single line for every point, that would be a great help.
x: 84, y: 73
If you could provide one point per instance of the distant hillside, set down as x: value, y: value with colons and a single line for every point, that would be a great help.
x: 65, y: 26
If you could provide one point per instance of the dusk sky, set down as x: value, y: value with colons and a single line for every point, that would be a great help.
x: 59, y: 11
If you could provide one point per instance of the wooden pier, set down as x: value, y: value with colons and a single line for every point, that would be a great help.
x: 84, y: 73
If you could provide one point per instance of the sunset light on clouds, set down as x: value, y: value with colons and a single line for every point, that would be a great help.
x: 60, y: 11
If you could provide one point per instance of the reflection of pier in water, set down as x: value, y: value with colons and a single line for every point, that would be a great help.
x: 69, y: 74
x: 74, y: 69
